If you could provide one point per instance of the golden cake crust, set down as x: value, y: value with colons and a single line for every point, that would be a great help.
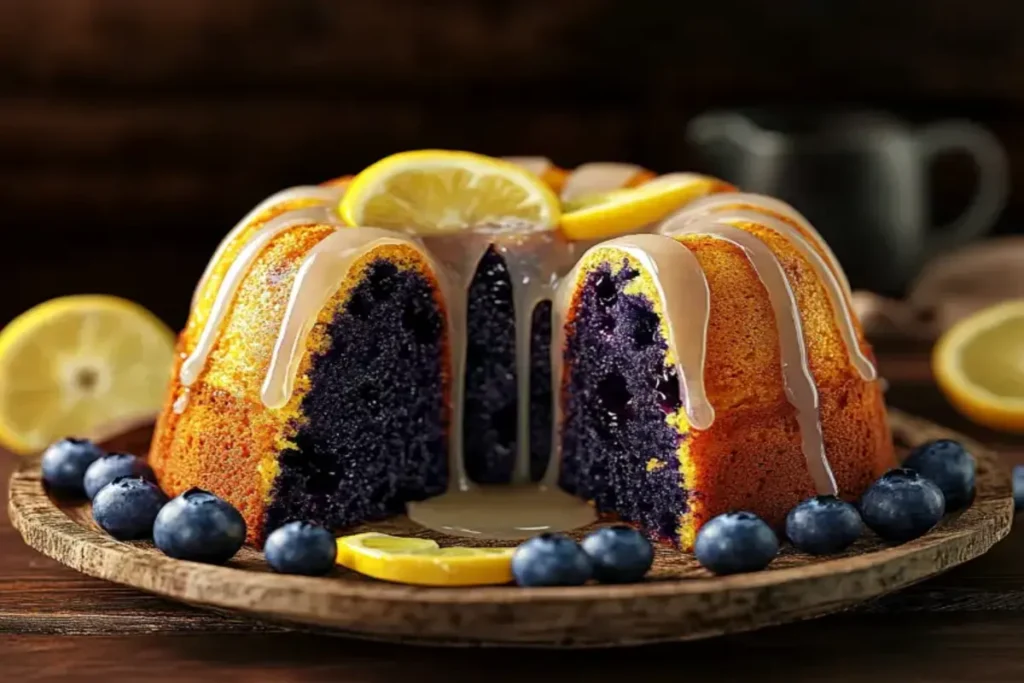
x: 751, y: 457
x: 226, y: 440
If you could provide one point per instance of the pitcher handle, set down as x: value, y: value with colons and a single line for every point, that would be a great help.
x: 993, y: 179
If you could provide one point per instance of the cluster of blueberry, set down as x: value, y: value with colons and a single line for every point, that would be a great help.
x: 614, y: 554
x: 197, y: 525
x: 903, y: 504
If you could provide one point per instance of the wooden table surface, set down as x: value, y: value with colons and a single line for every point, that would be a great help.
x: 56, y: 624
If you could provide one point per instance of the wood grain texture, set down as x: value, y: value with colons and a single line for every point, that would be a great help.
x: 681, y: 601
x: 57, y: 624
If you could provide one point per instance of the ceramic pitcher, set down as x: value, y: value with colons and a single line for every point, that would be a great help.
x: 860, y: 177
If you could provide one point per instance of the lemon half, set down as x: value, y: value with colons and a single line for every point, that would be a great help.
x: 422, y: 562
x: 979, y: 365
x: 73, y: 364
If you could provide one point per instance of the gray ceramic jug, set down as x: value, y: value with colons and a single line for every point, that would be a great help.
x: 860, y: 177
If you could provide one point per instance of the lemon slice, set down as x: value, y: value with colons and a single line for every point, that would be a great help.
x: 627, y: 210
x: 979, y: 365
x: 422, y: 562
x: 436, y: 191
x: 72, y: 364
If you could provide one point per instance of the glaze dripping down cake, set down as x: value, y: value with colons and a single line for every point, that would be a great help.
x: 707, y: 362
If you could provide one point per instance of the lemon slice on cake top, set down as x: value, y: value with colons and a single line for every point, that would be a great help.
x: 632, y: 209
x: 439, y: 191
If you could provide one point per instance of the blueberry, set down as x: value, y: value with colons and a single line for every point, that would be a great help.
x: 1018, y: 487
x: 127, y: 507
x: 736, y: 542
x: 109, y: 467
x: 619, y: 554
x: 301, y: 548
x: 199, y: 526
x: 65, y: 462
x: 902, y: 505
x: 551, y: 560
x: 949, y: 466
x: 823, y: 525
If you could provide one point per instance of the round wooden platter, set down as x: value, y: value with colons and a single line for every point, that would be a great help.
x: 680, y: 601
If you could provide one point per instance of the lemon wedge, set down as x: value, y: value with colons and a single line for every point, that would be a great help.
x: 73, y: 364
x: 438, y: 190
x: 627, y: 210
x: 979, y: 365
x: 422, y: 562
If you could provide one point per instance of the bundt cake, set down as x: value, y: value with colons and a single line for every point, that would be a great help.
x: 337, y: 374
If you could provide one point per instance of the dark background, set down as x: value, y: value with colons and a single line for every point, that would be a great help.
x: 134, y: 133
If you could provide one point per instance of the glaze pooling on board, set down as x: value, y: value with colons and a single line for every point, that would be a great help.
x: 536, y: 259
x: 541, y: 268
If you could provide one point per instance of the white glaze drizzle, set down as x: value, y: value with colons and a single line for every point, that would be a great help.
x: 761, y: 203
x: 326, y: 195
x: 535, y: 165
x: 598, y: 177
x: 319, y: 277
x: 686, y: 301
x: 193, y: 366
x: 534, y: 258
x: 798, y: 382
x: 459, y: 255
x: 842, y: 310
x: 560, y: 304
x: 537, y: 263
x: 181, y: 402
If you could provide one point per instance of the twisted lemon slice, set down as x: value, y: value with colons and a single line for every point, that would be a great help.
x: 628, y: 210
x: 73, y: 364
x: 979, y: 365
x: 422, y: 562
x: 439, y: 190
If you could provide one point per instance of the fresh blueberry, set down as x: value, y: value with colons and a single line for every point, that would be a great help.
x: 949, y: 466
x: 619, y: 554
x: 551, y: 560
x: 108, y: 468
x: 736, y: 542
x: 902, y: 505
x: 823, y: 525
x: 301, y: 548
x: 199, y: 526
x: 127, y: 507
x: 65, y: 462
x: 1018, y: 487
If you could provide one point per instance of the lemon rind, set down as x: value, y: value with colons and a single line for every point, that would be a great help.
x: 973, y: 400
x: 369, y: 181
x: 18, y: 329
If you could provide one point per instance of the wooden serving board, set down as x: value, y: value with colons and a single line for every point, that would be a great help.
x: 680, y: 601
